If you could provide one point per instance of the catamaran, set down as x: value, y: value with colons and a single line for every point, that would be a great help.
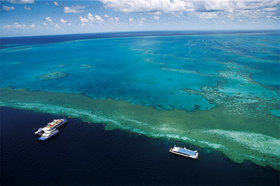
x: 50, y: 129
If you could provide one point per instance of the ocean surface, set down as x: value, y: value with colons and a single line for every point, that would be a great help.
x: 83, y: 153
x: 213, y: 90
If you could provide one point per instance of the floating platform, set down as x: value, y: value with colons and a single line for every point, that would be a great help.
x: 184, y: 152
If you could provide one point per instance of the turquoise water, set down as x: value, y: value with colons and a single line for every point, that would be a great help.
x: 219, y: 90
x: 143, y: 70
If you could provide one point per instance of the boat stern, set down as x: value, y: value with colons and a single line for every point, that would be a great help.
x: 196, y: 155
x: 42, y: 138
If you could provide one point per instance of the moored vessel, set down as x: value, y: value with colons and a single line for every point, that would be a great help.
x: 184, y: 152
x: 50, y: 129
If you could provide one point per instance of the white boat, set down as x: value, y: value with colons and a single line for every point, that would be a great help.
x: 184, y: 152
x: 50, y: 129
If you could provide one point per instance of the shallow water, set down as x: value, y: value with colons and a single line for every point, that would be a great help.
x: 213, y: 90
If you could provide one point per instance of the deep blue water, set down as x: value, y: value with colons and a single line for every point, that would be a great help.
x: 85, y: 153
x: 7, y: 42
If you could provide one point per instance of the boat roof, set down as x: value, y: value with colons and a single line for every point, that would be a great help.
x: 184, y: 151
x: 53, y: 123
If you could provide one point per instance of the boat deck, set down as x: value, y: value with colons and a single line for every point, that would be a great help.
x: 54, y: 123
x: 184, y: 152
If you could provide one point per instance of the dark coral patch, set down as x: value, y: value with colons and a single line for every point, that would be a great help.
x: 53, y: 75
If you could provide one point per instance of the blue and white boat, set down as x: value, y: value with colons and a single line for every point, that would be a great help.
x: 50, y: 129
x: 184, y: 152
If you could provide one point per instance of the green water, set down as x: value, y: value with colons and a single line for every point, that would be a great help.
x: 238, y: 136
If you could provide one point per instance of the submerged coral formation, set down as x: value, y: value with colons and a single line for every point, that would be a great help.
x: 246, y: 98
x: 239, y: 136
x: 86, y: 66
x: 217, y: 91
x: 53, y: 75
x: 60, y: 66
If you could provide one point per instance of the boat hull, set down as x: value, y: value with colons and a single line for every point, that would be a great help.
x: 45, y: 138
